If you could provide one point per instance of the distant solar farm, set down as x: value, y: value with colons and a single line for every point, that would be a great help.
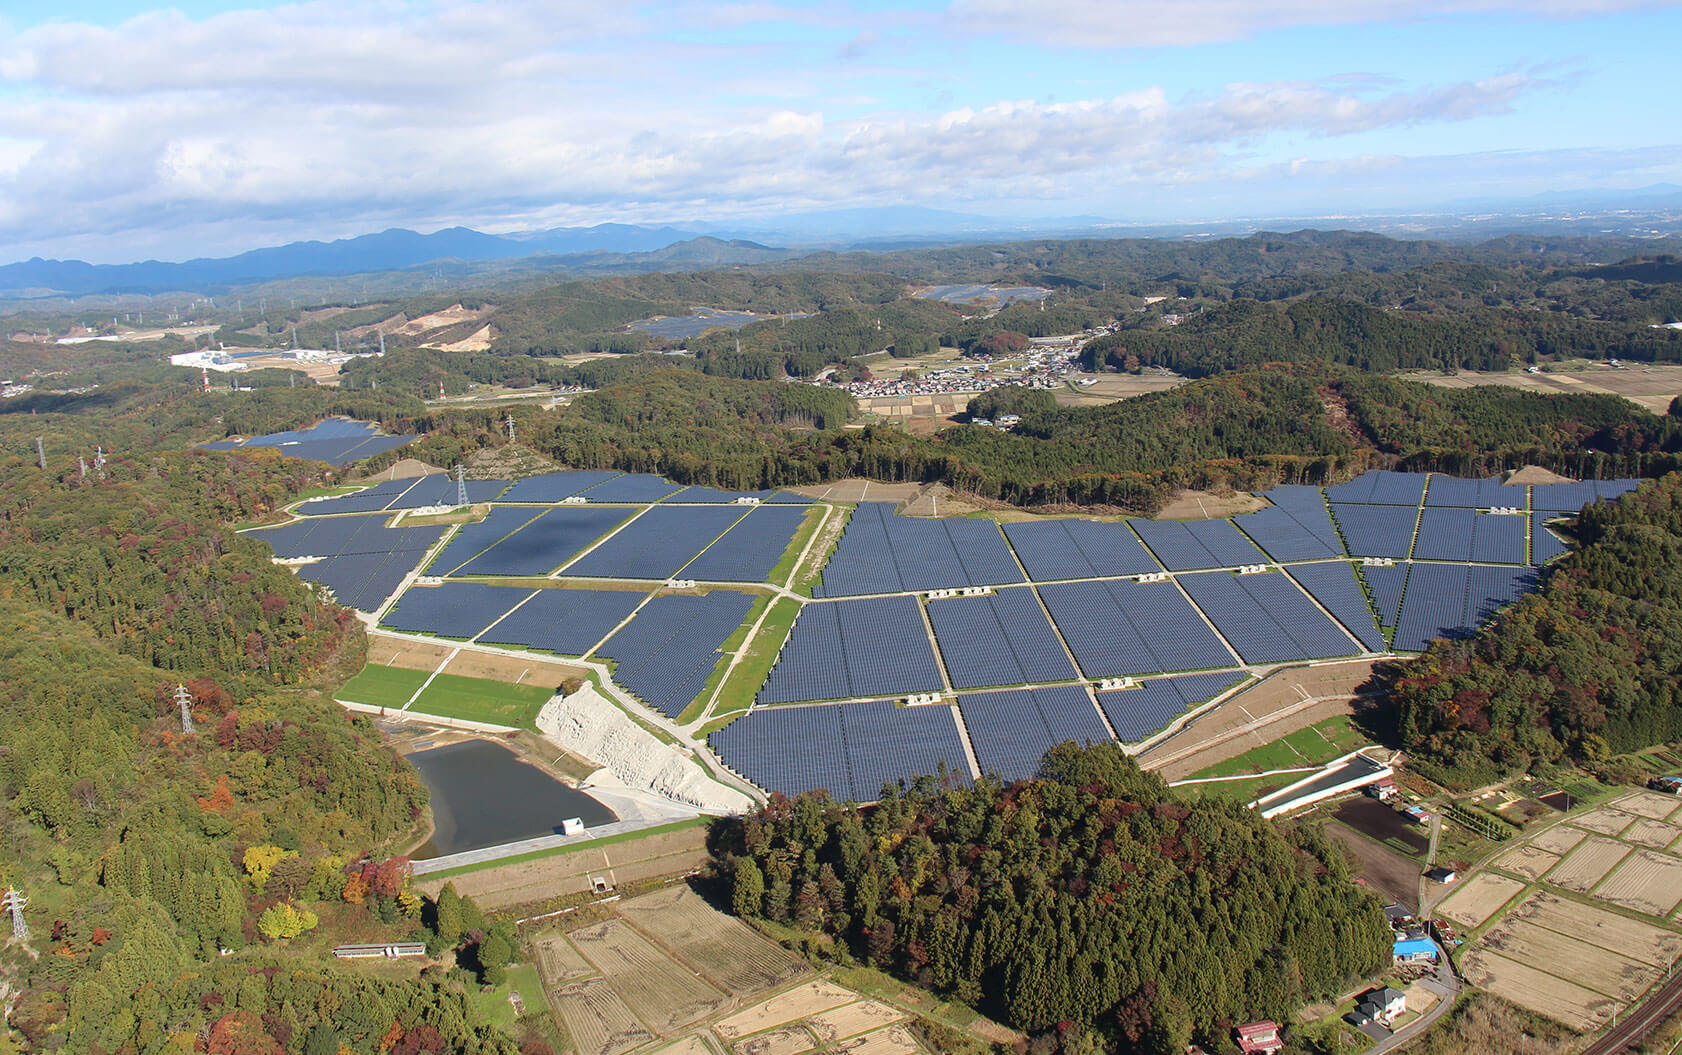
x: 922, y: 645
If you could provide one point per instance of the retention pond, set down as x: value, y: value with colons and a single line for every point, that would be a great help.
x: 484, y: 795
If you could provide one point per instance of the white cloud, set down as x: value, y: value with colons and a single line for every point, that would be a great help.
x: 1136, y: 23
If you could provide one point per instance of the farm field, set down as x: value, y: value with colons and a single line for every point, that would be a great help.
x: 1653, y: 805
x: 1480, y: 898
x: 1316, y: 745
x: 665, y: 995
x: 1649, y: 385
x: 726, y: 951
x: 597, y: 1019
x: 1648, y: 882
x: 482, y: 700
x: 1582, y: 1009
x: 1528, y: 861
x: 1588, y: 864
x: 388, y: 651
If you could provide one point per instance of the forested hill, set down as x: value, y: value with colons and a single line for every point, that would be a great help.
x: 145, y: 852
x: 1088, y: 897
x: 1246, y: 333
x: 1582, y: 670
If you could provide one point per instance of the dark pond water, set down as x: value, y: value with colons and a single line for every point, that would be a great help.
x: 483, y: 795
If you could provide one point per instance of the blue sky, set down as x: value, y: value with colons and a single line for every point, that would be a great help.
x: 129, y: 131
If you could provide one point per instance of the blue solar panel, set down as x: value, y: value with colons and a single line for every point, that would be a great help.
x: 1562, y: 498
x: 713, y: 496
x: 569, y: 622
x: 845, y: 649
x: 1012, y: 730
x: 881, y: 552
x: 1004, y: 639
x: 666, y: 653
x: 1445, y: 534
x: 1266, y: 618
x: 1544, y: 544
x: 1385, y: 582
x: 888, y: 744
x: 1334, y: 585
x: 1140, y: 713
x: 1488, y: 590
x: 633, y: 487
x: 1498, y: 539
x: 345, y: 536
x: 365, y: 501
x: 656, y: 544
x: 456, y: 609
x: 443, y: 490
x: 1471, y: 494
x: 1121, y: 627
x: 1292, y: 535
x: 552, y: 487
x: 544, y: 544
x: 1376, y: 530
x: 470, y: 540
x: 1397, y: 489
x: 1184, y: 545
x: 1078, y: 549
x: 1434, y: 606
x: 789, y: 750
x: 751, y: 549
x: 335, y: 441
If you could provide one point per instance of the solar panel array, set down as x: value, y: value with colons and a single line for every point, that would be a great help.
x: 1386, y: 582
x: 570, y: 622
x: 1453, y: 600
x: 850, y: 749
x: 552, y: 487
x: 1463, y: 534
x: 1380, y: 487
x: 1544, y: 544
x: 1375, y: 530
x: 364, y: 561
x: 1078, y: 549
x: 455, y: 609
x: 1334, y: 585
x: 1472, y: 494
x: 470, y: 540
x: 367, y: 500
x: 1139, y: 713
x: 1570, y: 498
x: 441, y: 489
x: 1266, y: 618
x: 1011, y: 731
x: 713, y: 496
x: 750, y: 550
x: 1002, y: 639
x: 668, y: 650
x: 1304, y: 532
x: 633, y: 487
x: 335, y: 441
x: 846, y: 649
x: 881, y: 552
x: 557, y: 535
x: 362, y: 581
x: 1122, y: 627
x: 656, y: 544
x: 1187, y: 545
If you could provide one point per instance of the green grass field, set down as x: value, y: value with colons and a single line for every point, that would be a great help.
x: 1242, y: 791
x: 731, y: 644
x: 785, y: 567
x: 482, y: 700
x: 751, y: 672
x: 1316, y: 745
x: 494, y: 1004
x: 378, y: 686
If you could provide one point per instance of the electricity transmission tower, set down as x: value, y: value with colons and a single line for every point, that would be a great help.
x: 14, y: 900
x: 185, y: 699
x: 510, y: 424
x: 461, y: 485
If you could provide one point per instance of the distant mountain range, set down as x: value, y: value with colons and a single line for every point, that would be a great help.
x: 616, y: 247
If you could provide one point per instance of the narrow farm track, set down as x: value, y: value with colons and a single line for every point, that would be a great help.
x: 1635, y: 1026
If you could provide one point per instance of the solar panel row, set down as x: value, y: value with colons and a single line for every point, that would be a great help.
x: 354, y: 535
x: 1473, y: 494
x: 470, y: 540
x: 666, y: 653
x: 656, y: 544
x: 443, y: 490
x: 1570, y: 498
x: 366, y: 500
x: 454, y: 609
x: 1011, y: 731
x: 750, y: 550
x: 1462, y: 534
x: 362, y: 581
x: 1289, y: 536
x: 1266, y: 618
x: 335, y: 441
x: 1122, y: 627
x: 1334, y: 585
x: 844, y: 649
x: 570, y: 622
x: 1544, y: 544
x: 1139, y: 713
x: 1385, y: 582
x: 1375, y: 530
x: 632, y: 487
x: 1003, y: 639
x: 881, y: 552
x: 552, y: 487
x: 849, y: 749
x: 1187, y: 545
x: 1078, y: 549
x: 557, y: 535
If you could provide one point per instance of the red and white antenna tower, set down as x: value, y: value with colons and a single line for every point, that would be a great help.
x: 204, y: 377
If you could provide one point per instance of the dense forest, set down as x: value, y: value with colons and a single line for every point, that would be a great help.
x: 1088, y: 898
x: 1582, y: 670
x: 171, y: 873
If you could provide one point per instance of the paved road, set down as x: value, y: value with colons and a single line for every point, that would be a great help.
x: 1446, y: 986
